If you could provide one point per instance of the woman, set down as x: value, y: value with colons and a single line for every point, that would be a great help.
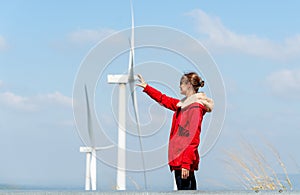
x: 186, y: 126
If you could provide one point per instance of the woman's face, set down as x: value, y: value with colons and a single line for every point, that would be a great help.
x: 185, y: 85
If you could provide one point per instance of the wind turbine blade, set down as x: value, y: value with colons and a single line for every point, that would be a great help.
x: 132, y: 90
x: 137, y: 119
x: 89, y: 119
x: 130, y: 70
x: 131, y: 43
x: 132, y: 28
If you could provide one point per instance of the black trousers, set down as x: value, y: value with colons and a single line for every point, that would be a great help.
x: 185, y: 184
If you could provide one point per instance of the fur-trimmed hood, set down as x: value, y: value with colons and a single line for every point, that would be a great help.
x: 200, y: 98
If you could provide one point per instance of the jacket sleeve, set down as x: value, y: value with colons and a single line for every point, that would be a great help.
x: 193, y: 125
x: 162, y: 99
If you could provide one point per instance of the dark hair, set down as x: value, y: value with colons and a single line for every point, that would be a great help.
x: 195, y: 80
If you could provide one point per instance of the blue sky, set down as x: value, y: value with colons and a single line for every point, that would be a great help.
x: 256, y: 45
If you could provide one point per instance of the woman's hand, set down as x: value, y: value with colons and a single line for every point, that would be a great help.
x: 184, y: 173
x: 142, y: 83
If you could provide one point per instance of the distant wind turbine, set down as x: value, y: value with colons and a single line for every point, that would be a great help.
x: 91, y: 166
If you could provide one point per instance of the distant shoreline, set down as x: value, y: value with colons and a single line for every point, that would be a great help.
x: 41, y: 192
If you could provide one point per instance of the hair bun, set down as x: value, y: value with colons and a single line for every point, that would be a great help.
x: 201, y: 83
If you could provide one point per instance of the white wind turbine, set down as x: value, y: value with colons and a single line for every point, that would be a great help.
x: 122, y: 80
x: 91, y: 166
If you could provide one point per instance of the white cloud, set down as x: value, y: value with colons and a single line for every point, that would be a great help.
x: 87, y: 36
x: 223, y: 39
x: 285, y: 83
x: 17, y: 102
x: 3, y: 44
x: 34, y: 103
x: 56, y: 98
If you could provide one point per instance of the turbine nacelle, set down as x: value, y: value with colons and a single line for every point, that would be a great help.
x: 120, y: 78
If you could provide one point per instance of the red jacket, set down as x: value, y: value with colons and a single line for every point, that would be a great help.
x: 186, y: 127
